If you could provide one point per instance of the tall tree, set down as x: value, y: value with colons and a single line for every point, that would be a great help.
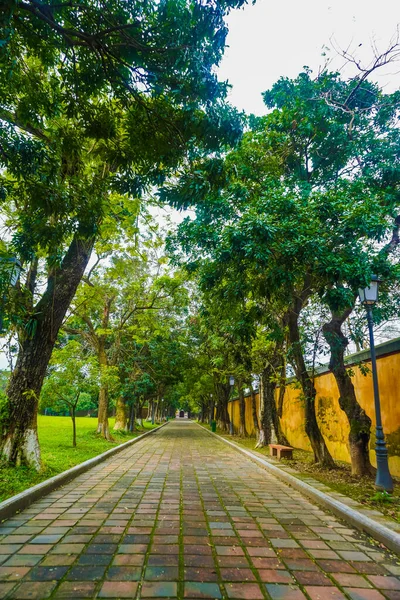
x: 94, y: 97
x: 299, y: 209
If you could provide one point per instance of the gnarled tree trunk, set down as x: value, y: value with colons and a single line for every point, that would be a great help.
x: 359, y: 421
x: 19, y: 439
x: 321, y: 452
x: 269, y: 420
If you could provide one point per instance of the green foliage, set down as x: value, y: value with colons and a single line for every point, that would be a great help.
x: 99, y: 104
x: 299, y: 214
x: 382, y: 498
x: 57, y: 452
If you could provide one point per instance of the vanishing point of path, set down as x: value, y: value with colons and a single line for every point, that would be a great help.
x: 183, y: 515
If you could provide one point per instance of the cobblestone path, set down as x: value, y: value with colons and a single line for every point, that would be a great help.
x: 182, y: 515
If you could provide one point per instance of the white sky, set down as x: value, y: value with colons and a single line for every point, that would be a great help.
x: 271, y: 39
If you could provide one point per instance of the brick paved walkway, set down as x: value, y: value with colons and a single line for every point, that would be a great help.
x: 182, y: 515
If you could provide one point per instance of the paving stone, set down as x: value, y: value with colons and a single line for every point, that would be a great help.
x: 235, y: 574
x: 161, y: 574
x: 324, y: 593
x: 200, y: 574
x: 181, y: 506
x: 36, y: 590
x: 194, y: 589
x: 164, y: 589
x: 363, y: 594
x: 351, y: 580
x: 284, y: 592
x: 244, y: 591
x: 46, y: 573
x: 385, y: 583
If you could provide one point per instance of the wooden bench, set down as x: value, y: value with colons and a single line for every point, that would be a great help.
x: 280, y: 451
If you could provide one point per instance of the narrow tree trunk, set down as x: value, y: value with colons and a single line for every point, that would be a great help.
x: 267, y: 400
x: 359, y: 421
x: 132, y: 418
x: 120, y: 415
x: 242, y: 411
x: 102, y: 421
x: 211, y: 410
x: 19, y: 439
x: 321, y: 452
x: 254, y: 410
x: 140, y: 415
x: 203, y: 409
x: 73, y: 427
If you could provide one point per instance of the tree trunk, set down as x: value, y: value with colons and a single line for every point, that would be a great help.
x: 140, y: 414
x: 359, y: 421
x: 269, y: 419
x: 120, y: 415
x: 19, y: 439
x: 132, y: 418
x: 211, y: 410
x: 203, y: 408
x: 254, y: 410
x: 264, y: 434
x: 102, y: 422
x: 223, y: 391
x: 321, y: 452
x: 242, y: 411
x: 73, y: 427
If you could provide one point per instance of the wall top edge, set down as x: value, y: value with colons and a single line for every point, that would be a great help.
x: 390, y: 347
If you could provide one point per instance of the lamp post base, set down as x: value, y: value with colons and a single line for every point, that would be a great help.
x: 383, y: 480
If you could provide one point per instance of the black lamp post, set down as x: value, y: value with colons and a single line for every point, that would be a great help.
x: 231, y: 383
x: 383, y: 481
x: 10, y: 270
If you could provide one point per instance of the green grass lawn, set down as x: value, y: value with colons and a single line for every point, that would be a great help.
x: 55, y: 436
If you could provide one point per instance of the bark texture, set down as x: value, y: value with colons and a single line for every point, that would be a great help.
x: 242, y: 411
x: 269, y: 420
x: 223, y: 391
x: 254, y: 410
x: 321, y: 452
x: 359, y: 421
x: 121, y: 420
x: 73, y: 427
x: 19, y: 440
x: 103, y: 427
x: 132, y: 418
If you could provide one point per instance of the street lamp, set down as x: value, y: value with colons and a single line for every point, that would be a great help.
x: 10, y: 270
x: 231, y: 383
x: 383, y: 481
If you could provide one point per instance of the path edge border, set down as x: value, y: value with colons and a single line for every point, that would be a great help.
x: 379, y: 532
x: 13, y: 505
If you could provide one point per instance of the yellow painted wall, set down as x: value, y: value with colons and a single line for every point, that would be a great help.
x: 332, y: 420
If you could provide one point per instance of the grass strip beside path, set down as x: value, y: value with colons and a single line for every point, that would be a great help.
x: 58, y: 454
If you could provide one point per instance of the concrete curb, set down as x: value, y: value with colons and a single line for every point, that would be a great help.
x: 379, y: 532
x: 15, y: 504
